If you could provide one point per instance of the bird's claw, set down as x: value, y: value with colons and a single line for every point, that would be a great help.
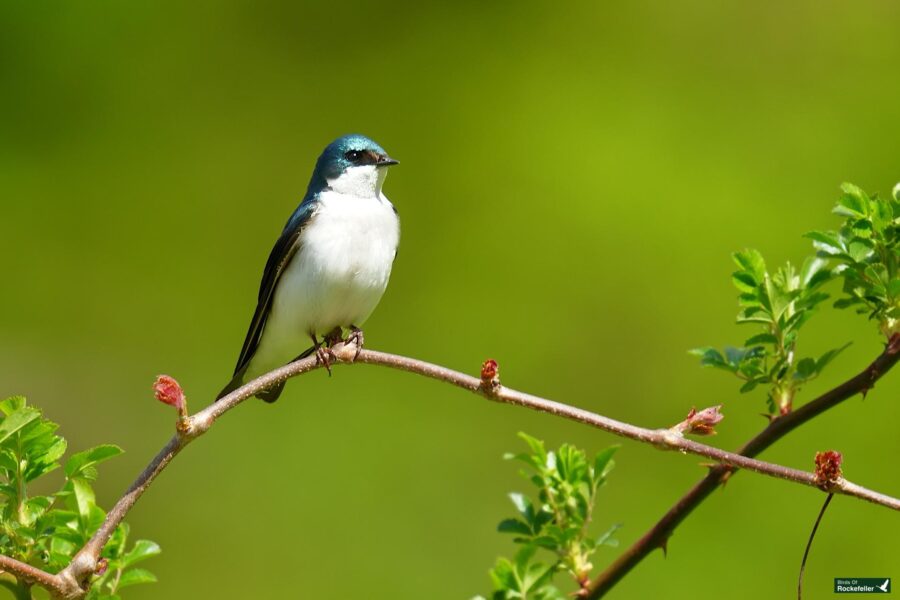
x: 356, y: 338
x: 324, y: 356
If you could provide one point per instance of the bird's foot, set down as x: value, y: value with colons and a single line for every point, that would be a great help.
x: 324, y: 356
x: 356, y: 338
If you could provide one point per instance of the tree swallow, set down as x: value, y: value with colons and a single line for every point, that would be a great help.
x: 329, y: 268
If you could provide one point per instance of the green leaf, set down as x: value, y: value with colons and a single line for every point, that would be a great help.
x: 893, y: 288
x: 853, y: 203
x: 17, y: 420
x: 115, y: 548
x: 142, y: 550
x: 749, y: 386
x: 503, y: 575
x: 547, y: 541
x: 12, y: 404
x: 806, y: 368
x: 744, y: 282
x: 810, y: 301
x: 84, y: 496
x: 514, y: 526
x: 751, y: 261
x: 847, y: 302
x: 536, y: 576
x: 761, y: 338
x: 859, y: 251
x: 34, y: 508
x: 736, y: 356
x: 709, y: 357
x: 814, y: 273
x: 523, y: 505
x: 80, y: 461
x: 603, y: 462
x: 136, y: 576
x: 883, y: 213
x: 754, y: 315
x: 536, y: 445
x: 795, y: 321
x: 828, y: 241
x: 862, y: 228
x: 606, y: 539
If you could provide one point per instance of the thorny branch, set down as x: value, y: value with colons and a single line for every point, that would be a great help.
x: 658, y: 535
x: 74, y: 581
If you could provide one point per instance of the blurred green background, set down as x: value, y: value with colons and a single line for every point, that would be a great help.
x: 573, y: 179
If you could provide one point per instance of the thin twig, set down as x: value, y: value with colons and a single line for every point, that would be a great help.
x: 73, y: 581
x: 812, y: 535
x: 658, y: 535
x: 666, y: 439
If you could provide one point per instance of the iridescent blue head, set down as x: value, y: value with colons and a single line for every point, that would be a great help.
x: 351, y: 164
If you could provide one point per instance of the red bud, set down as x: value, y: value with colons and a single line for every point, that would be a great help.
x: 828, y: 468
x: 489, y: 370
x: 169, y: 392
x: 490, y: 376
x: 102, y: 565
x: 703, y: 422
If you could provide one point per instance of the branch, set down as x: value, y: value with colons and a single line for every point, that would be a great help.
x: 666, y: 439
x: 659, y: 534
x: 73, y: 581
x: 33, y: 575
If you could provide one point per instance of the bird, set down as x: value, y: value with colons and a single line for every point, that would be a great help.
x: 329, y: 267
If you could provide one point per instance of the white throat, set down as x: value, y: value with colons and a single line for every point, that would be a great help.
x: 363, y: 182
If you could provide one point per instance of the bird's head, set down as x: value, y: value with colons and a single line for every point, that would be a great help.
x: 353, y: 164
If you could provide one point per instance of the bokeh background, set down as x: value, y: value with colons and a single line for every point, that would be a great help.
x: 573, y: 179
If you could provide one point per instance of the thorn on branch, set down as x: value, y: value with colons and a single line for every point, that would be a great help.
x: 701, y: 423
x: 490, y: 376
x: 874, y: 375
x: 828, y: 469
x: 726, y: 475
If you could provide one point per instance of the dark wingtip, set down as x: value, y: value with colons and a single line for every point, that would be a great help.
x: 271, y: 394
x: 232, y: 385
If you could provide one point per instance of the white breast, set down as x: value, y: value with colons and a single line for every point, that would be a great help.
x: 335, y: 279
x: 350, y: 243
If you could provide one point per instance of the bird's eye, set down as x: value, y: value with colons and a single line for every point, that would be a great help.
x: 353, y: 155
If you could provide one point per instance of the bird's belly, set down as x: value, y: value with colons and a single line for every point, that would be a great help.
x: 340, y: 271
x: 332, y: 288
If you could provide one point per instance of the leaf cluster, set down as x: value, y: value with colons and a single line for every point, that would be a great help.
x: 864, y: 253
x: 866, y: 249
x: 557, y: 521
x: 47, y: 530
x: 778, y: 304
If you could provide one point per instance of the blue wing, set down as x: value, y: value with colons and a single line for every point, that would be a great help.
x: 284, y: 250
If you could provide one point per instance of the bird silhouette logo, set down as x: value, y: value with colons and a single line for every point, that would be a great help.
x: 884, y: 586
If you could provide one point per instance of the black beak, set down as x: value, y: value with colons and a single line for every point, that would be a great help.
x: 385, y: 161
